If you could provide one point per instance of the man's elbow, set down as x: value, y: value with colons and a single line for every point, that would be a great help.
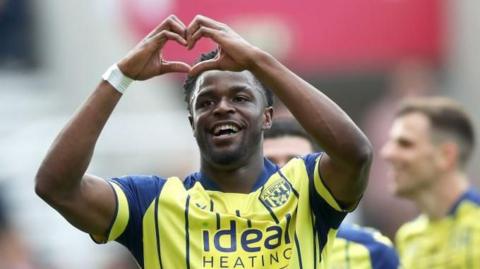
x: 363, y: 162
x: 41, y: 188
x: 44, y: 187
x: 364, y: 155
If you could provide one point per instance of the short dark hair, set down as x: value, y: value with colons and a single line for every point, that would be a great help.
x: 446, y: 116
x: 288, y: 127
x: 189, y: 84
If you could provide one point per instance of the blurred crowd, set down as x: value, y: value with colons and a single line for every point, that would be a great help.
x: 14, y: 252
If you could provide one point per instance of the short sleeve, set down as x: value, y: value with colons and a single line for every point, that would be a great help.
x: 322, y: 201
x: 134, y: 194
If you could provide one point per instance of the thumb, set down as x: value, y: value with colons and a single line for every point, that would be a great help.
x: 204, y: 66
x: 175, y: 67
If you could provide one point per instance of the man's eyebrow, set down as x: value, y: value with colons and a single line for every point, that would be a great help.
x: 240, y: 88
x: 245, y: 87
x: 199, y: 93
x: 205, y: 92
x: 235, y: 88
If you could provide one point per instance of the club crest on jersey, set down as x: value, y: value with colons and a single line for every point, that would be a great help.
x: 277, y: 194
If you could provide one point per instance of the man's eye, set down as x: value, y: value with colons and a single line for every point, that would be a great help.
x: 405, y: 144
x: 240, y: 99
x: 206, y: 103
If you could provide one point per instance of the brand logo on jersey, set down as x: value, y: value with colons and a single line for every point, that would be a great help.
x: 241, y: 247
x: 250, y: 240
x: 277, y: 194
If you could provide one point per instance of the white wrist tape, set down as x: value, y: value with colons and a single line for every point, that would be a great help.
x: 117, y: 79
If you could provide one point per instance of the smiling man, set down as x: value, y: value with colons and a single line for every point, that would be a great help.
x: 239, y: 210
x: 430, y: 144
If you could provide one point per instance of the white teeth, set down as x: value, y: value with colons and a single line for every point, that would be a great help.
x: 224, y: 127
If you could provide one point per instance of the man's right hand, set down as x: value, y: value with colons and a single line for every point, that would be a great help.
x: 87, y: 201
x: 145, y: 60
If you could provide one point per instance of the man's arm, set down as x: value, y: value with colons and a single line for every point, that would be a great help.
x: 86, y: 201
x: 345, y: 166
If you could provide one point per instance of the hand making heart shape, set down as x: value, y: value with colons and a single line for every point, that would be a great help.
x: 145, y: 60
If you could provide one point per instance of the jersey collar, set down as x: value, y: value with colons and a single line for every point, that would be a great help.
x: 469, y: 195
x: 269, y: 169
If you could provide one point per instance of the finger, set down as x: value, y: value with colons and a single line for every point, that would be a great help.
x: 200, y: 21
x: 203, y: 32
x: 175, y: 18
x: 171, y: 23
x: 177, y: 26
x: 204, y: 66
x: 178, y: 67
x: 161, y: 38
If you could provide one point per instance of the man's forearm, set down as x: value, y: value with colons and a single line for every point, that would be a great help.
x: 69, y: 156
x: 324, y: 120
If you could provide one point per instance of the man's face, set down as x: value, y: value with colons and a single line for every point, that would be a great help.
x: 412, y: 156
x: 280, y: 150
x: 228, y: 116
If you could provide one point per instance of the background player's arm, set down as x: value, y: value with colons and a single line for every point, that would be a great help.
x: 86, y: 201
x: 345, y: 166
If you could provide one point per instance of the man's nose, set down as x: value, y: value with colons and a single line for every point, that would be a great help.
x: 386, y: 152
x: 223, y: 106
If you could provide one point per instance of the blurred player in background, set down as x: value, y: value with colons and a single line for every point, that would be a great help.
x: 429, y: 146
x: 411, y: 77
x: 354, y: 246
x: 238, y: 210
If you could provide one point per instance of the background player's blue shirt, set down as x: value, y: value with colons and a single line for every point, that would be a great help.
x: 362, y: 248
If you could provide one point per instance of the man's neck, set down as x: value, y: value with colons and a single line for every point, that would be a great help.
x: 439, y: 200
x: 240, y: 178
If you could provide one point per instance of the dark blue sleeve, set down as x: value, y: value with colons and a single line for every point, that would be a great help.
x: 321, y: 209
x: 140, y: 192
x: 382, y: 256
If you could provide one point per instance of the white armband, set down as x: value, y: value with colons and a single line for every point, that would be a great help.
x: 117, y: 79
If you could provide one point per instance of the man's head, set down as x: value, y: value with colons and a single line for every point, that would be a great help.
x: 228, y: 113
x: 430, y: 138
x: 285, y: 140
x: 190, y: 83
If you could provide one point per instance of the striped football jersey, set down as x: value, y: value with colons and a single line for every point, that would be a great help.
x: 288, y: 220
x: 450, y: 242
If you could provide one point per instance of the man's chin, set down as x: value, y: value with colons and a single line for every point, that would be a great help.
x: 402, y: 192
x: 226, y: 157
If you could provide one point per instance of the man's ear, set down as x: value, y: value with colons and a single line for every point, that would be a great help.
x: 450, y: 153
x: 267, y: 118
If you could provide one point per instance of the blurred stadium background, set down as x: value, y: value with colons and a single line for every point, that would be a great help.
x: 366, y: 54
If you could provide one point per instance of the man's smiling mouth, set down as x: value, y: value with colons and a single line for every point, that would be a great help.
x: 225, y: 129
